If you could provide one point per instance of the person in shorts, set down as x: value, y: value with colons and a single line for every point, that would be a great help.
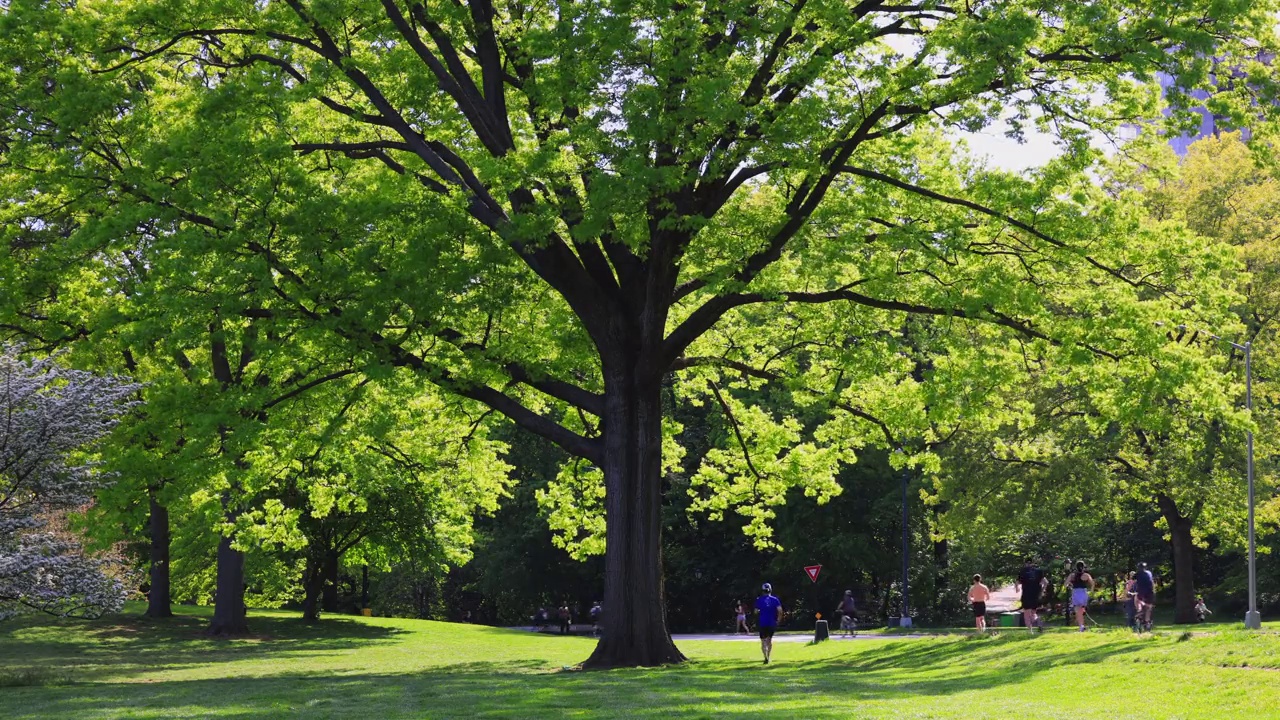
x: 768, y: 610
x: 979, y: 594
x: 740, y: 617
x: 1080, y: 582
x: 1031, y: 583
x: 1144, y: 590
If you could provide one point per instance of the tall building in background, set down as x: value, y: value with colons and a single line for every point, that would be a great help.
x: 1210, y: 125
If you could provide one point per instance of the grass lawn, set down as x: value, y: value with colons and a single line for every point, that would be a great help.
x: 380, y: 668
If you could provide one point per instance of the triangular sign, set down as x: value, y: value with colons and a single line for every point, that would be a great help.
x: 813, y: 571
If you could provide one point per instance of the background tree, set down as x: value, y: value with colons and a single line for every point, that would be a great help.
x: 54, y: 417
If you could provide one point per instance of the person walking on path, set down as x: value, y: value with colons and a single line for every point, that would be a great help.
x: 1031, y: 583
x: 741, y: 612
x: 979, y: 594
x: 1144, y: 587
x: 1080, y: 582
x: 565, y: 617
x: 1130, y: 600
x: 768, y: 608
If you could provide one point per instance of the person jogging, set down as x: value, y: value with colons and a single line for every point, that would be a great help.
x: 1031, y: 584
x: 979, y: 594
x: 1080, y: 582
x: 768, y: 609
x: 740, y: 612
x: 1144, y: 588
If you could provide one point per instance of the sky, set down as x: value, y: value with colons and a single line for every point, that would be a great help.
x: 1009, y: 154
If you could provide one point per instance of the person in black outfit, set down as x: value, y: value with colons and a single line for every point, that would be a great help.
x: 1031, y: 583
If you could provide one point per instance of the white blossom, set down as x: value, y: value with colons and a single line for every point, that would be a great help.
x: 50, y: 418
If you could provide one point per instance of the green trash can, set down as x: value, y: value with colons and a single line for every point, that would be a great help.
x: 1010, y: 619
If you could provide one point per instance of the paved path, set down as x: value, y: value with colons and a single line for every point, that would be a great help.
x: 1002, y: 599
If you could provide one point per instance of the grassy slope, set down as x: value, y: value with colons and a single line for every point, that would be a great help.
x: 387, y: 668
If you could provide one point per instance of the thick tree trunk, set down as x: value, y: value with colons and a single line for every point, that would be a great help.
x: 330, y: 602
x: 634, y: 627
x: 228, y: 604
x: 312, y: 582
x: 1184, y: 582
x: 159, y: 604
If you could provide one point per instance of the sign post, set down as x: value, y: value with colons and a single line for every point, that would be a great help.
x: 819, y: 627
x: 820, y: 631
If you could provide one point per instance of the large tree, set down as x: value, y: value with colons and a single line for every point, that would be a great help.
x: 549, y: 208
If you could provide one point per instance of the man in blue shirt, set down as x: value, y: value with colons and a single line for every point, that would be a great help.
x: 768, y: 608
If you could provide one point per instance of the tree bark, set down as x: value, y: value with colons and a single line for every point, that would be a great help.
x: 159, y: 603
x: 1184, y: 582
x: 228, y: 605
x: 330, y: 601
x: 634, y: 627
x: 312, y: 581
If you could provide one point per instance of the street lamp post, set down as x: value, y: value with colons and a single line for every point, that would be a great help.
x: 905, y: 621
x: 1252, y: 618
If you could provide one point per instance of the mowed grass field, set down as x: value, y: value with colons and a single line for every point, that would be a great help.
x: 381, y: 668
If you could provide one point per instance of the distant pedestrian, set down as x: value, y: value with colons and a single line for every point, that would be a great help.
x: 979, y: 594
x: 1201, y: 609
x: 1144, y: 588
x: 740, y: 619
x: 1031, y: 583
x: 565, y: 617
x: 597, y: 613
x: 1130, y: 601
x: 540, y: 620
x: 768, y: 610
x: 1080, y: 582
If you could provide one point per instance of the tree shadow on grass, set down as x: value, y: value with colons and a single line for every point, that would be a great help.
x: 122, y: 645
x: 525, y: 689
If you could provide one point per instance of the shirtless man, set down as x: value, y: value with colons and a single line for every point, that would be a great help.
x: 979, y: 594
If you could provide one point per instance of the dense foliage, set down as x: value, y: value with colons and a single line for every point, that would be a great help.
x: 581, y: 216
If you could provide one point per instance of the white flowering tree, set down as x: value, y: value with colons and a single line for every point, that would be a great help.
x: 50, y: 417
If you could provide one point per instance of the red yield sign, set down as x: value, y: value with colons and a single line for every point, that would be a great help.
x: 812, y: 571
